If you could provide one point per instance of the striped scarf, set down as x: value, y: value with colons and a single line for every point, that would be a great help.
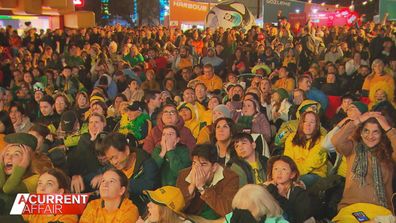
x: 360, y: 168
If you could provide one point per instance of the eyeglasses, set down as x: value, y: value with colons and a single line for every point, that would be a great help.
x: 173, y: 112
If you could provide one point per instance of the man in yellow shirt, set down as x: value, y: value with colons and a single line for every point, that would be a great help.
x: 210, y: 79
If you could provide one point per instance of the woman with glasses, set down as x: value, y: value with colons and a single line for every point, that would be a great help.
x: 168, y: 116
x: 369, y: 146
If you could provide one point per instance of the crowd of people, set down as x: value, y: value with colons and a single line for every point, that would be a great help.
x: 286, y: 123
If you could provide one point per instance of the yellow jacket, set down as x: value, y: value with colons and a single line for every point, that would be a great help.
x: 308, y: 161
x: 214, y: 83
x: 95, y: 213
x: 193, y: 124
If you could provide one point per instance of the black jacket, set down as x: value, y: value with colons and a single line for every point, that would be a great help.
x: 298, y: 207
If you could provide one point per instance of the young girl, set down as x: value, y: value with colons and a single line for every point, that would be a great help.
x: 52, y: 181
x: 304, y: 147
x: 16, y: 175
x: 113, y: 205
x: 284, y: 186
x: 165, y: 206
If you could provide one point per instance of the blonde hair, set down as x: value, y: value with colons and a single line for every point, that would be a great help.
x: 167, y: 215
x: 257, y: 200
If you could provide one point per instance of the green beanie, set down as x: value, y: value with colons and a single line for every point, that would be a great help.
x: 360, y: 106
x: 282, y: 93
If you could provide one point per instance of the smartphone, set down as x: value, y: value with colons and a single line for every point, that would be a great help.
x: 360, y: 216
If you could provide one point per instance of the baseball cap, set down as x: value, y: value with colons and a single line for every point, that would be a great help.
x: 135, y: 106
x: 22, y: 139
x: 68, y: 120
x: 169, y: 196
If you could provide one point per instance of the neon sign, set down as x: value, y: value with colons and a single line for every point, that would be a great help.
x: 78, y: 3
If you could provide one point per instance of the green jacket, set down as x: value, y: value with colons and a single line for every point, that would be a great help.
x: 170, y: 165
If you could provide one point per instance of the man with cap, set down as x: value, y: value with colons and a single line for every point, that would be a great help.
x: 48, y: 116
x: 15, y: 168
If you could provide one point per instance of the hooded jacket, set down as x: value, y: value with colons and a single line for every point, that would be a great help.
x: 193, y: 124
x: 291, y: 126
x: 153, y: 139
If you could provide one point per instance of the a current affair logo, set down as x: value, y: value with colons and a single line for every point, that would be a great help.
x: 49, y: 204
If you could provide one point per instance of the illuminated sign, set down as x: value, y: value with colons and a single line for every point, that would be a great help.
x: 78, y: 3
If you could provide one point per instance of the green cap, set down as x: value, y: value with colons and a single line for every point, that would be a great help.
x: 21, y: 138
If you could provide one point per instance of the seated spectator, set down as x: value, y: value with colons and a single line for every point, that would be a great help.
x: 223, y: 131
x: 284, y: 81
x: 210, y: 79
x: 166, y: 204
x: 48, y: 116
x: 207, y: 187
x: 341, y: 113
x: 150, y: 83
x: 62, y: 103
x: 280, y: 107
x: 113, y: 205
x: 253, y: 163
x: 15, y: 168
x: 368, y: 145
x: 135, y: 122
x: 379, y: 93
x: 87, y: 164
x: 283, y: 183
x: 168, y: 116
x: 141, y: 170
x: 188, y: 114
x: 305, y: 84
x: 378, y: 75
x: 304, y: 148
x: 134, y: 91
x: 81, y: 104
x: 171, y: 156
x: 254, y: 204
x: 219, y: 111
x: 253, y: 121
x: 52, y: 181
x: 291, y: 126
x: 19, y: 121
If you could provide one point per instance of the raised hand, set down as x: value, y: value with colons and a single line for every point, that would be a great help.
x: 77, y: 184
x: 26, y: 157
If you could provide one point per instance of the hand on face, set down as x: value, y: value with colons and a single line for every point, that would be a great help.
x: 26, y: 157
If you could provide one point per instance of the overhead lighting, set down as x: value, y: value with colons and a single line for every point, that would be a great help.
x: 352, y: 7
x: 364, y: 3
x: 323, y: 4
x: 309, y: 1
x: 338, y: 5
x: 297, y: 10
